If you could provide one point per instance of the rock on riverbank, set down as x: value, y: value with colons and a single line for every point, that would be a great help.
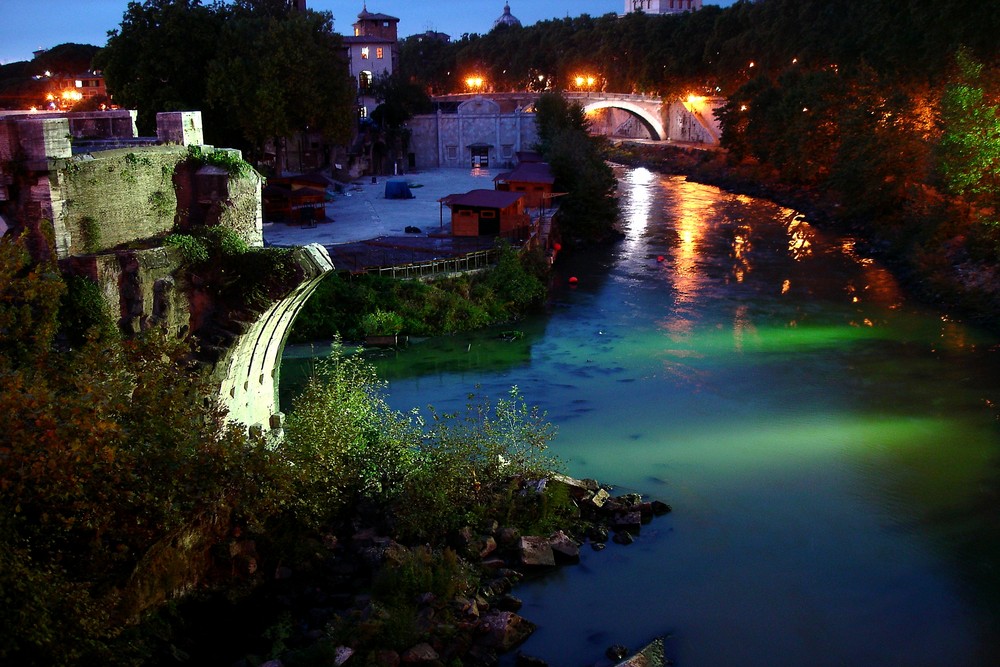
x: 342, y: 610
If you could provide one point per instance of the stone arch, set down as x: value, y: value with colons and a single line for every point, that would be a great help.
x: 248, y: 372
x: 652, y: 121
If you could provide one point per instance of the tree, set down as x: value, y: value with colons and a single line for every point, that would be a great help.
x: 109, y: 448
x: 274, y: 76
x: 969, y: 150
x: 158, y: 59
x: 590, y: 210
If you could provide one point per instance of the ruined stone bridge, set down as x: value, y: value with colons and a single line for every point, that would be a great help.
x: 104, y: 214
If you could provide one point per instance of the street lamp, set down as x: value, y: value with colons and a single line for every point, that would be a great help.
x: 584, y: 82
x: 475, y: 82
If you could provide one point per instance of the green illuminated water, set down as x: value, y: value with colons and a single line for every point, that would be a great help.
x: 830, y: 449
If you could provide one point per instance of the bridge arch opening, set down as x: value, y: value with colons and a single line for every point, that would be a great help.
x: 649, y: 121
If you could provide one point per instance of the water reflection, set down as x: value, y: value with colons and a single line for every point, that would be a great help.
x: 831, y: 450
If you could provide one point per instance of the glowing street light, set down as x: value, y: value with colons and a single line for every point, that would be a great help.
x: 475, y: 82
x: 584, y: 81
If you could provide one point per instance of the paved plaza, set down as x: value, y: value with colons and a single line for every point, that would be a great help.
x: 362, y: 212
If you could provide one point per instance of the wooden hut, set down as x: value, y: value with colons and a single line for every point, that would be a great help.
x: 534, y: 179
x: 487, y: 213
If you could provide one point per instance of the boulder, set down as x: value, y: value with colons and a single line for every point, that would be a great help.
x: 579, y: 489
x: 509, y: 603
x: 652, y: 655
x: 630, y: 520
x: 623, y: 537
x: 501, y: 631
x: 486, y: 546
x: 536, y: 552
x: 616, y: 652
x: 597, y: 533
x: 342, y: 654
x: 419, y: 655
x: 660, y: 508
x: 529, y: 661
x: 564, y: 548
x: 508, y: 537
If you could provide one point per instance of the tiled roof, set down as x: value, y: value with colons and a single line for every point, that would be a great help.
x: 483, y: 199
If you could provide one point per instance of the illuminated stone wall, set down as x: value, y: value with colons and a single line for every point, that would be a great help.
x: 445, y: 139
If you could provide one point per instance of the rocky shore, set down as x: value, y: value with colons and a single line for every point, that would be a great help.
x: 337, y: 609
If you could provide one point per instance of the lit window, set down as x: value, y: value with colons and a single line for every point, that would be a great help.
x: 362, y: 111
x: 364, y: 53
x: 378, y: 53
x: 79, y: 84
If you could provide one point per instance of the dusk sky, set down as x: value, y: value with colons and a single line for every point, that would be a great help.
x: 28, y: 25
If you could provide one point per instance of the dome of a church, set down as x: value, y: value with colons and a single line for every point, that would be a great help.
x: 507, y: 19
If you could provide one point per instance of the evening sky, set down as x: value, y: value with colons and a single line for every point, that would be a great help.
x: 28, y: 25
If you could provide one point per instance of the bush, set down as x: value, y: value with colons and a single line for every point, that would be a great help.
x: 466, y: 464
x: 354, y: 306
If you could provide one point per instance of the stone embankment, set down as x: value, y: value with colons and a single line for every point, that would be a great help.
x: 475, y: 626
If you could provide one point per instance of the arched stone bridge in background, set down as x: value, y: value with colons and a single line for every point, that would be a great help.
x: 684, y: 120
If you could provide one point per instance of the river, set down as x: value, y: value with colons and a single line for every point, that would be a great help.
x: 830, y: 448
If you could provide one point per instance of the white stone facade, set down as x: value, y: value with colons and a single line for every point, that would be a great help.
x: 477, y: 134
x: 662, y: 6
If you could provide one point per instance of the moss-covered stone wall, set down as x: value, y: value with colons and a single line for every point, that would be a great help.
x: 113, y: 198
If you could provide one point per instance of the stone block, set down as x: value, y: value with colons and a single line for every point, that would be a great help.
x: 180, y: 127
x: 536, y: 552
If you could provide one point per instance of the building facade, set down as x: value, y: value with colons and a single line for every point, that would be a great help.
x: 662, y: 6
x: 479, y: 132
x: 372, y: 52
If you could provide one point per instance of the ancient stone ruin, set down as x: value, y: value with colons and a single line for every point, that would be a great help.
x: 83, y: 189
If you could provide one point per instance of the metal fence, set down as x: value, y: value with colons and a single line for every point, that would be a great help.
x: 472, y: 261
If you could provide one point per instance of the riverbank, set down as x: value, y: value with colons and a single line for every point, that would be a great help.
x: 935, y: 267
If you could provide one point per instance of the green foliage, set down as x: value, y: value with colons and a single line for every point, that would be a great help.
x: 273, y: 76
x: 109, y: 450
x: 29, y: 302
x: 256, y: 73
x: 47, y: 619
x: 466, y: 464
x: 346, y: 305
x: 381, y: 323
x: 969, y: 150
x: 157, y: 59
x: 84, y: 313
x: 193, y: 249
x: 420, y: 571
x: 229, y: 160
x: 342, y: 439
x: 590, y: 211
x: 344, y: 443
x: 91, y: 233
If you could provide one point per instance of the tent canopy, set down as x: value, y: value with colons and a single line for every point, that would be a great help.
x: 397, y: 188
